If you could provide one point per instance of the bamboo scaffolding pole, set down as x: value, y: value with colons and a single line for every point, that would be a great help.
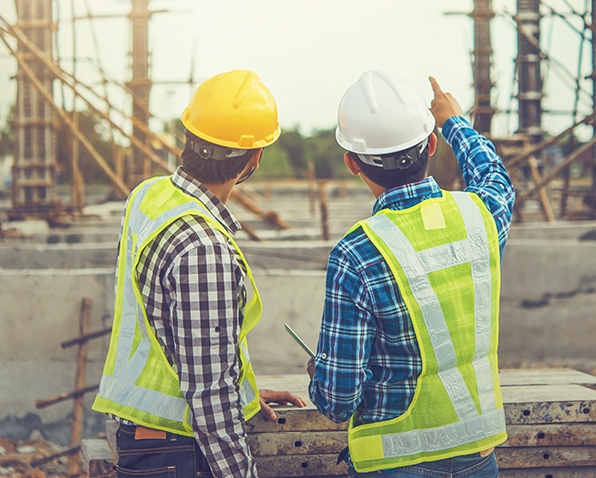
x: 46, y: 402
x: 85, y: 338
x: 236, y: 195
x: 543, y: 198
x: 270, y: 216
x: 121, y: 188
x: 312, y: 183
x: 556, y: 170
x: 55, y: 456
x: 534, y: 150
x: 324, y: 210
x: 78, y: 407
x: 20, y: 36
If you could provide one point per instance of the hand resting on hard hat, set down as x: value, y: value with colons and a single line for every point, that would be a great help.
x: 281, y: 398
x: 444, y: 105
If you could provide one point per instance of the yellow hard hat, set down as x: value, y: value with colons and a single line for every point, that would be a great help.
x: 233, y: 109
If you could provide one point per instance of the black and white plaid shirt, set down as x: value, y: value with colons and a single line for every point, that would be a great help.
x: 192, y: 283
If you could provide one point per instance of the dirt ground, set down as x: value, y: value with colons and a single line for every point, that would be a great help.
x: 17, y: 460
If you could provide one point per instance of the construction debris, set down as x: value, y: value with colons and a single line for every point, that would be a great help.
x: 19, y: 459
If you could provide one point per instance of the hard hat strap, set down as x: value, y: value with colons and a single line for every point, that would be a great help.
x: 212, y: 151
x: 399, y: 160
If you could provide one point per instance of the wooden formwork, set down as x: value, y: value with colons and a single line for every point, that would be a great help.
x: 550, y: 421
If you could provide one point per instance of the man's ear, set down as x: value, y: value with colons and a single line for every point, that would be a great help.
x: 432, y: 144
x: 256, y: 158
x: 351, y: 164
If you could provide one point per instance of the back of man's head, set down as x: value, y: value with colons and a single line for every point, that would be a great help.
x: 385, y: 125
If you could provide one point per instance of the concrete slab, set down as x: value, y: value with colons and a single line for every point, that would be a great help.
x: 534, y: 268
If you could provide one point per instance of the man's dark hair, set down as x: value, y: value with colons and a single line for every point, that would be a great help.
x: 212, y: 171
x: 394, y: 177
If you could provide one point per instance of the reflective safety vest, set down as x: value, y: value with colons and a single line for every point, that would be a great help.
x: 138, y: 383
x: 444, y: 255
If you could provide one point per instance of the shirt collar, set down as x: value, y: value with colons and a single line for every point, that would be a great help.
x: 404, y: 197
x: 194, y: 188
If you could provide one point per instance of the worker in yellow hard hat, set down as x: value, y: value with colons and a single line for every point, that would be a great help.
x: 407, y: 350
x: 178, y: 376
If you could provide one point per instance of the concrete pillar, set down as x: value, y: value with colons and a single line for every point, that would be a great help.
x: 482, y: 15
x: 528, y: 67
x: 33, y: 187
x: 140, y: 166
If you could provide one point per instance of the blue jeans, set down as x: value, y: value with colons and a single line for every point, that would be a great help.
x: 174, y: 456
x: 467, y: 466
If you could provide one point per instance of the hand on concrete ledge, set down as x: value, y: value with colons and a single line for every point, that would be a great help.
x: 281, y: 398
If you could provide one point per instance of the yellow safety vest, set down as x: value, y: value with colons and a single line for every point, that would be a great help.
x: 138, y: 383
x: 444, y: 255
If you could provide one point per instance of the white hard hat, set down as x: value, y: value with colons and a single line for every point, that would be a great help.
x: 382, y: 113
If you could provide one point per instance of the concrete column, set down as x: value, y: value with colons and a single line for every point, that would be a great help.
x: 528, y: 66
x: 140, y: 85
x: 33, y: 187
x: 482, y: 15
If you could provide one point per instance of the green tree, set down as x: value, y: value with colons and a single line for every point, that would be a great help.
x: 326, y: 154
x: 293, y: 143
x: 97, y: 132
x: 274, y: 164
x: 7, y: 135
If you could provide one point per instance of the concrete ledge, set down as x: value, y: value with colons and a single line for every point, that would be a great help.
x: 533, y: 268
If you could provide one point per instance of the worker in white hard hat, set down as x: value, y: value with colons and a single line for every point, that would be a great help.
x: 178, y: 376
x: 407, y: 349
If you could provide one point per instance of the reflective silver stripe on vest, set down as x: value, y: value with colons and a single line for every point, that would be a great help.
x: 427, y: 299
x: 447, y: 436
x: 481, y: 274
x: 144, y: 399
x: 247, y: 394
x: 128, y: 368
x: 416, y: 266
x: 473, y: 249
x: 130, y: 307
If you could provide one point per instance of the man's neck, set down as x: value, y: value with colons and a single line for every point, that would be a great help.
x: 222, y: 191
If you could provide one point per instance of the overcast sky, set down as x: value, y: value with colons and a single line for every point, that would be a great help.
x: 308, y: 52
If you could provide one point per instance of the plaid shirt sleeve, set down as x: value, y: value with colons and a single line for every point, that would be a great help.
x: 347, y: 327
x: 483, y: 171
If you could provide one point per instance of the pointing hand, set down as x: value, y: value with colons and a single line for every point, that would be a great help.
x: 444, y: 105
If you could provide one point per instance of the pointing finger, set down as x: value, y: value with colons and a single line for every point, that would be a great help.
x: 435, y: 85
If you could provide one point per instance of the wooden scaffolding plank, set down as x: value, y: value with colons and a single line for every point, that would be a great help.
x: 561, y: 434
x: 298, y: 443
x: 299, y: 465
x: 552, y: 457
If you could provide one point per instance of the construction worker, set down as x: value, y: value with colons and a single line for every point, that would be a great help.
x: 408, y: 342
x: 178, y: 376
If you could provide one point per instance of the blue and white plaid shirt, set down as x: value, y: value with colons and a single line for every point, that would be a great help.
x: 368, y: 356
